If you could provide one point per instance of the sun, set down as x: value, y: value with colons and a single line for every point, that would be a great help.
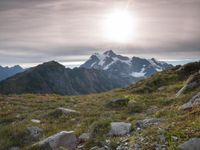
x: 120, y: 26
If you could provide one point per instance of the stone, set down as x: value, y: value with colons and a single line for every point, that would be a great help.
x: 67, y: 111
x: 137, y: 147
x: 120, y: 128
x: 162, y: 88
x: 35, y: 121
x: 192, y: 144
x: 97, y: 148
x: 148, y: 122
x: 64, y: 139
x: 35, y: 132
x: 118, y: 102
x: 84, y: 137
x: 194, y: 101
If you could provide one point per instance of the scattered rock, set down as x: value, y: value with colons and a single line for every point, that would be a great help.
x: 148, y: 122
x: 67, y: 111
x: 65, y: 139
x: 192, y: 144
x: 195, y: 100
x: 84, y: 137
x: 120, y: 128
x: 118, y: 102
x: 35, y: 132
x: 35, y: 121
x: 162, y: 88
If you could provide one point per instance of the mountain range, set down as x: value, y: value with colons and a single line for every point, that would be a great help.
x: 52, y: 77
x: 102, y: 72
x: 6, y: 72
x: 135, y: 67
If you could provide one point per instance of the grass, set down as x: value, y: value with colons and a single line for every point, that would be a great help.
x: 16, y: 112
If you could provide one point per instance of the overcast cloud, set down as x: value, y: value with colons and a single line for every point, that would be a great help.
x: 34, y: 31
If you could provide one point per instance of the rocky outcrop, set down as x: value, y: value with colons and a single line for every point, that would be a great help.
x: 120, y: 128
x: 194, y: 101
x: 192, y: 144
x: 192, y: 82
x: 64, y: 139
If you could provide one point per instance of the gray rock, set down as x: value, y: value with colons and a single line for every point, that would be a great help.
x: 67, y: 111
x: 162, y: 88
x: 192, y: 144
x: 120, y: 128
x: 194, y: 101
x: 65, y: 139
x: 35, y: 121
x: 84, y: 137
x: 148, y: 122
x: 35, y: 132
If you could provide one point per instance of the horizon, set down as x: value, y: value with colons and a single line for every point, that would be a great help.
x: 70, y: 31
x: 85, y: 58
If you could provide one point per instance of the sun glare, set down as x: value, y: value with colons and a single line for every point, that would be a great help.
x: 120, y: 26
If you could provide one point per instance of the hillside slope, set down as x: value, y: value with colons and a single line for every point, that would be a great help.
x: 159, y: 118
x: 52, y: 77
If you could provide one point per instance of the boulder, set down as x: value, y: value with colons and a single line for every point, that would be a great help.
x: 194, y: 101
x: 14, y: 148
x: 67, y: 111
x: 118, y: 102
x: 35, y: 132
x: 84, y: 137
x: 120, y: 128
x: 192, y: 144
x: 162, y: 88
x: 148, y: 122
x: 63, y: 139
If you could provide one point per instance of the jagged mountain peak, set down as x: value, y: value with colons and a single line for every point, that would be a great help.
x: 135, y: 67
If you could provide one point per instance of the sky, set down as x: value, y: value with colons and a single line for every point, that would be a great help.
x: 69, y: 31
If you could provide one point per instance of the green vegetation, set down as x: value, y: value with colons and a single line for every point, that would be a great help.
x: 16, y: 112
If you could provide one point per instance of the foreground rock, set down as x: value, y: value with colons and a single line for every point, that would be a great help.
x: 192, y: 144
x: 67, y: 111
x: 35, y: 132
x: 118, y: 102
x: 194, y: 101
x: 120, y: 128
x: 63, y: 139
x: 148, y: 122
x: 84, y: 137
x: 192, y: 82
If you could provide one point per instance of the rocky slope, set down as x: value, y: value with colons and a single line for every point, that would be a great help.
x: 134, y: 68
x: 148, y: 115
x: 6, y: 72
x: 52, y: 77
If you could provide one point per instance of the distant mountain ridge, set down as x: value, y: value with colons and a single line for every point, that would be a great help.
x: 134, y: 67
x: 6, y: 72
x: 52, y: 77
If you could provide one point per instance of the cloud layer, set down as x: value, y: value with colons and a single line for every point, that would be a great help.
x: 68, y: 31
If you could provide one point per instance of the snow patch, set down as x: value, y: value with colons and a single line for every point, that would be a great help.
x: 138, y: 74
